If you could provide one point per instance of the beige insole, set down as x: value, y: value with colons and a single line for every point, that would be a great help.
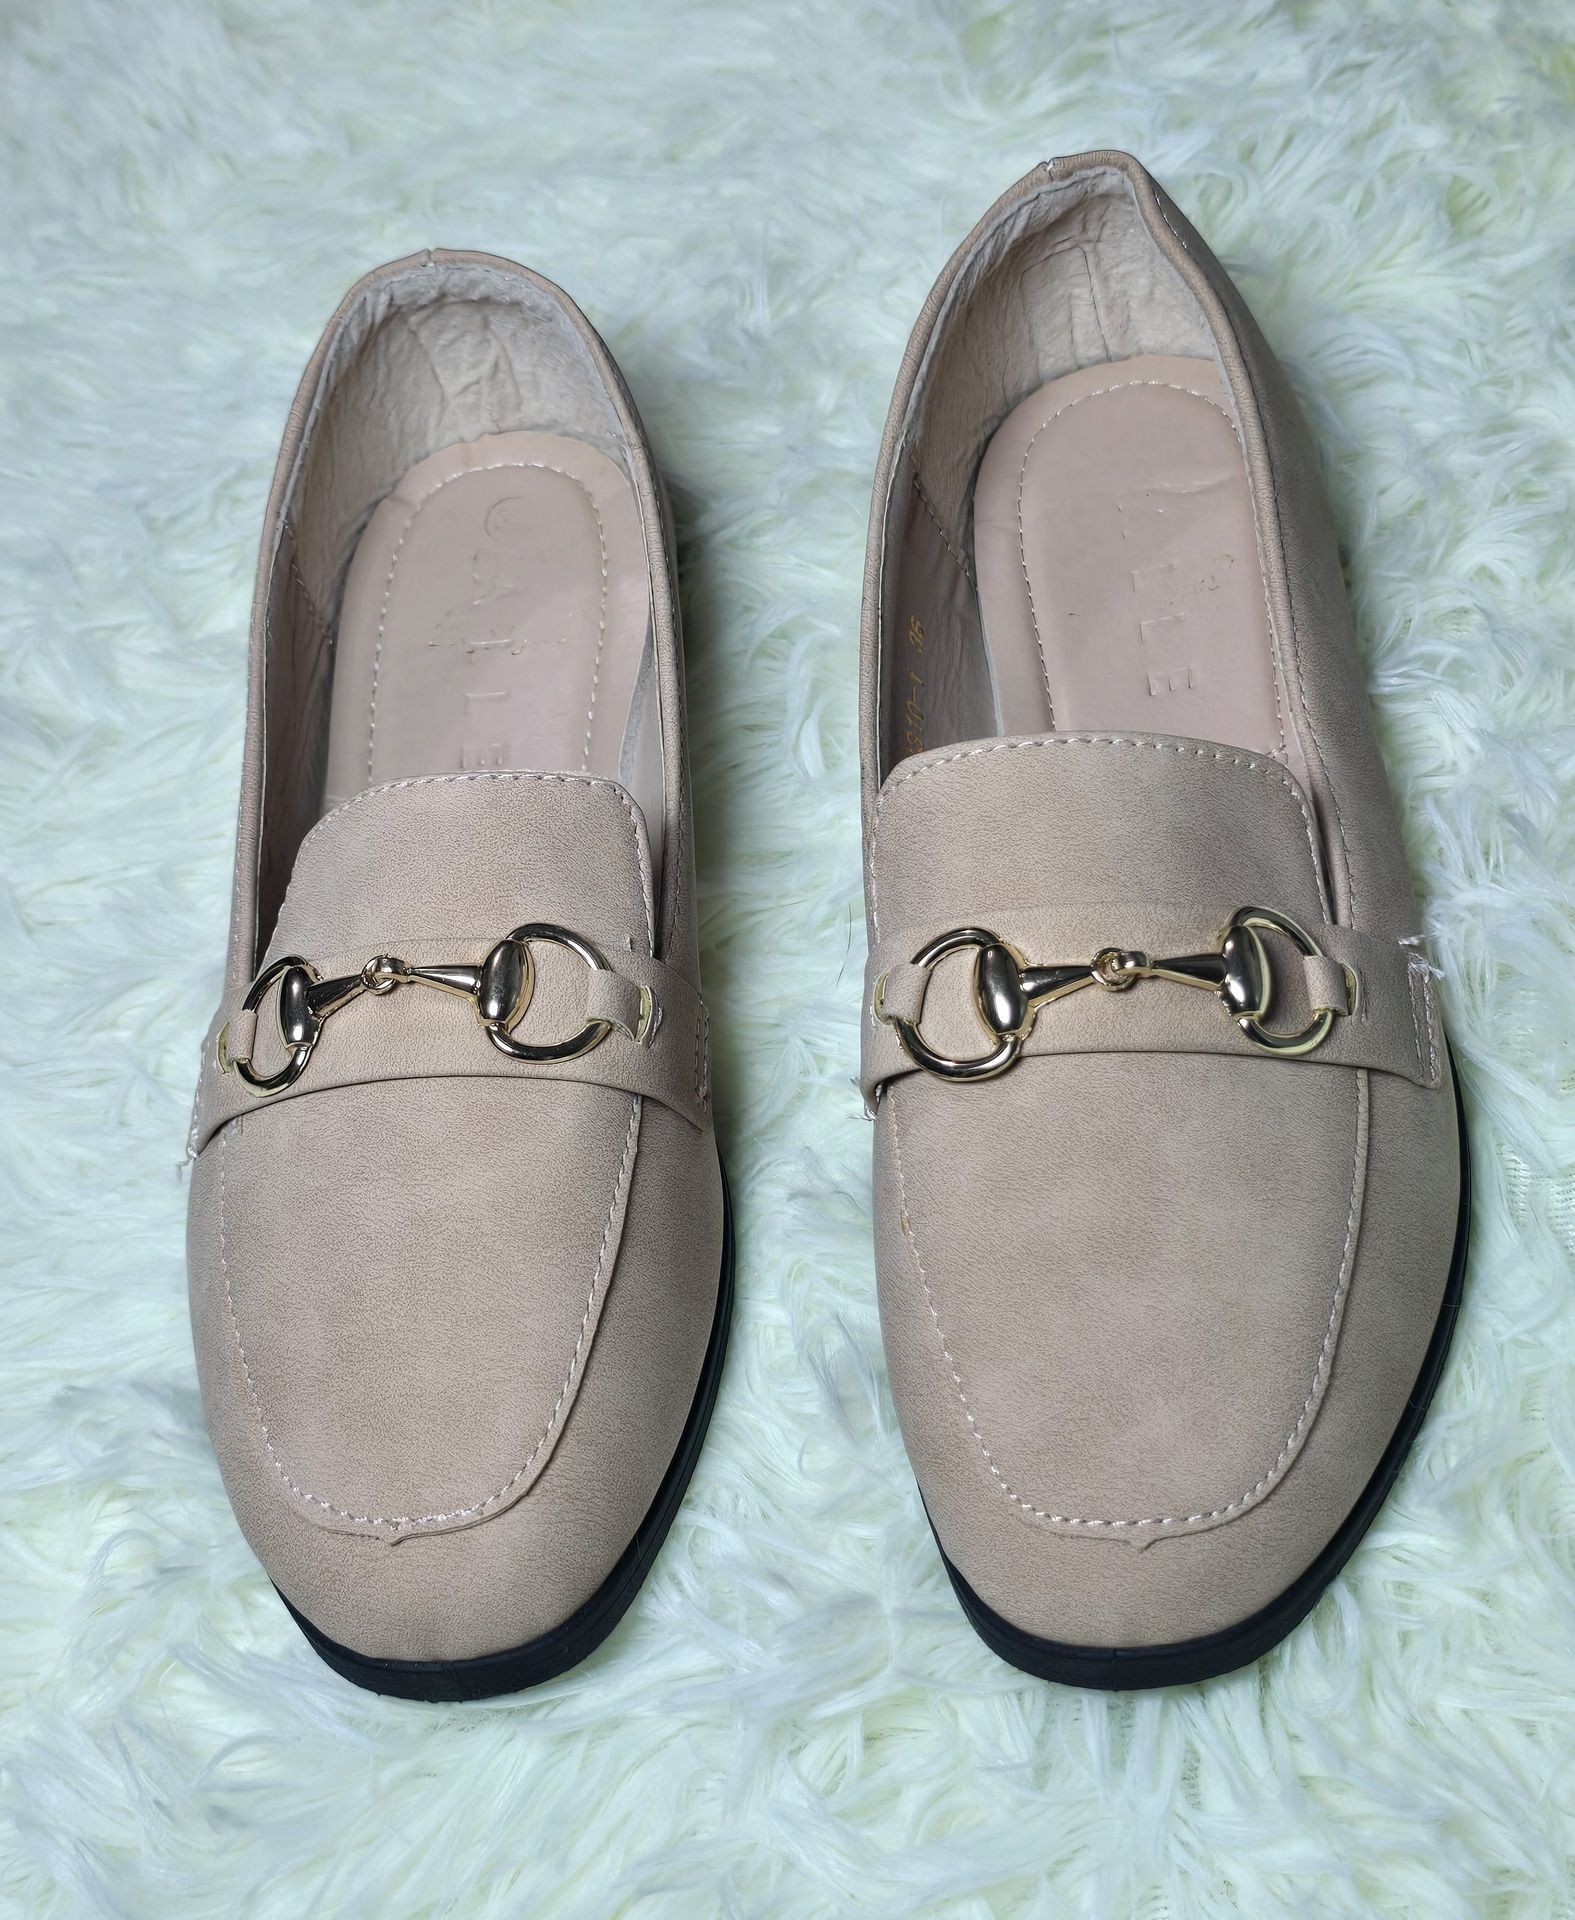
x: 495, y: 614
x: 1118, y: 574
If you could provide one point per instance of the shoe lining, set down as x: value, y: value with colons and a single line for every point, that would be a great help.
x: 1070, y: 535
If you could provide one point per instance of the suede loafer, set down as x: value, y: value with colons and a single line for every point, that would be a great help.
x: 1169, y: 1190
x: 458, y: 1250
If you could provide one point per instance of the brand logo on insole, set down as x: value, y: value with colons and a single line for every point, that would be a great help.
x: 505, y: 577
x: 483, y: 740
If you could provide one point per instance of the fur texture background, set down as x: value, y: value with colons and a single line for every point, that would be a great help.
x: 751, y: 201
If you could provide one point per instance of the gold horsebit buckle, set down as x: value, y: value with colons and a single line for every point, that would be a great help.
x: 500, y: 989
x: 1008, y: 992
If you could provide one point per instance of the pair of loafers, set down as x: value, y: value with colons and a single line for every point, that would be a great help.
x: 1169, y: 1195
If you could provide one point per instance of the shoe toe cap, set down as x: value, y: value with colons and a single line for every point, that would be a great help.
x: 449, y: 1333
x: 1151, y: 1330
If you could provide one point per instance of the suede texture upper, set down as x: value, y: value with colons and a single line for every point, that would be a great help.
x: 450, y: 1309
x: 1153, y: 1302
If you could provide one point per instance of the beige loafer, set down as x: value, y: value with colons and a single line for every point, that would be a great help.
x: 1169, y: 1194
x: 458, y: 1250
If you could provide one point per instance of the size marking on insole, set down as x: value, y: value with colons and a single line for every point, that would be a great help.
x: 483, y: 741
x: 1161, y: 586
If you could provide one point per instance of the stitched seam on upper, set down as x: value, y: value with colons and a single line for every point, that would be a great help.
x: 1416, y: 1018
x: 1295, y: 650
x: 463, y: 779
x: 1276, y: 1472
x: 601, y: 622
x: 1301, y: 696
x: 1279, y: 525
x: 244, y: 814
x: 940, y: 528
x: 409, y: 1521
x: 324, y: 635
x: 448, y: 480
x: 196, y: 1101
x: 667, y: 548
x: 702, y: 1053
x: 1158, y: 199
x: 1420, y: 976
x: 1125, y: 386
x: 1221, y: 755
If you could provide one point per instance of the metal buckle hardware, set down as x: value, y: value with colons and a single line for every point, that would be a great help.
x: 1008, y: 992
x: 500, y: 989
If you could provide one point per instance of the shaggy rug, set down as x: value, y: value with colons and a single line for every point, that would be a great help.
x: 751, y: 202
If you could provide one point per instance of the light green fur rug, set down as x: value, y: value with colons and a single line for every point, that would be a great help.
x: 751, y: 201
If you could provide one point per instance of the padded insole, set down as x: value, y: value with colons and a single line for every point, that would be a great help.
x: 1118, y: 573
x: 495, y: 614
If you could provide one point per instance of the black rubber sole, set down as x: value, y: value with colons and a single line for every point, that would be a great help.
x: 1185, y: 1662
x: 544, y: 1658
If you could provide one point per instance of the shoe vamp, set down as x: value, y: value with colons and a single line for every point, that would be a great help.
x: 1135, y: 1268
x: 412, y: 1274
